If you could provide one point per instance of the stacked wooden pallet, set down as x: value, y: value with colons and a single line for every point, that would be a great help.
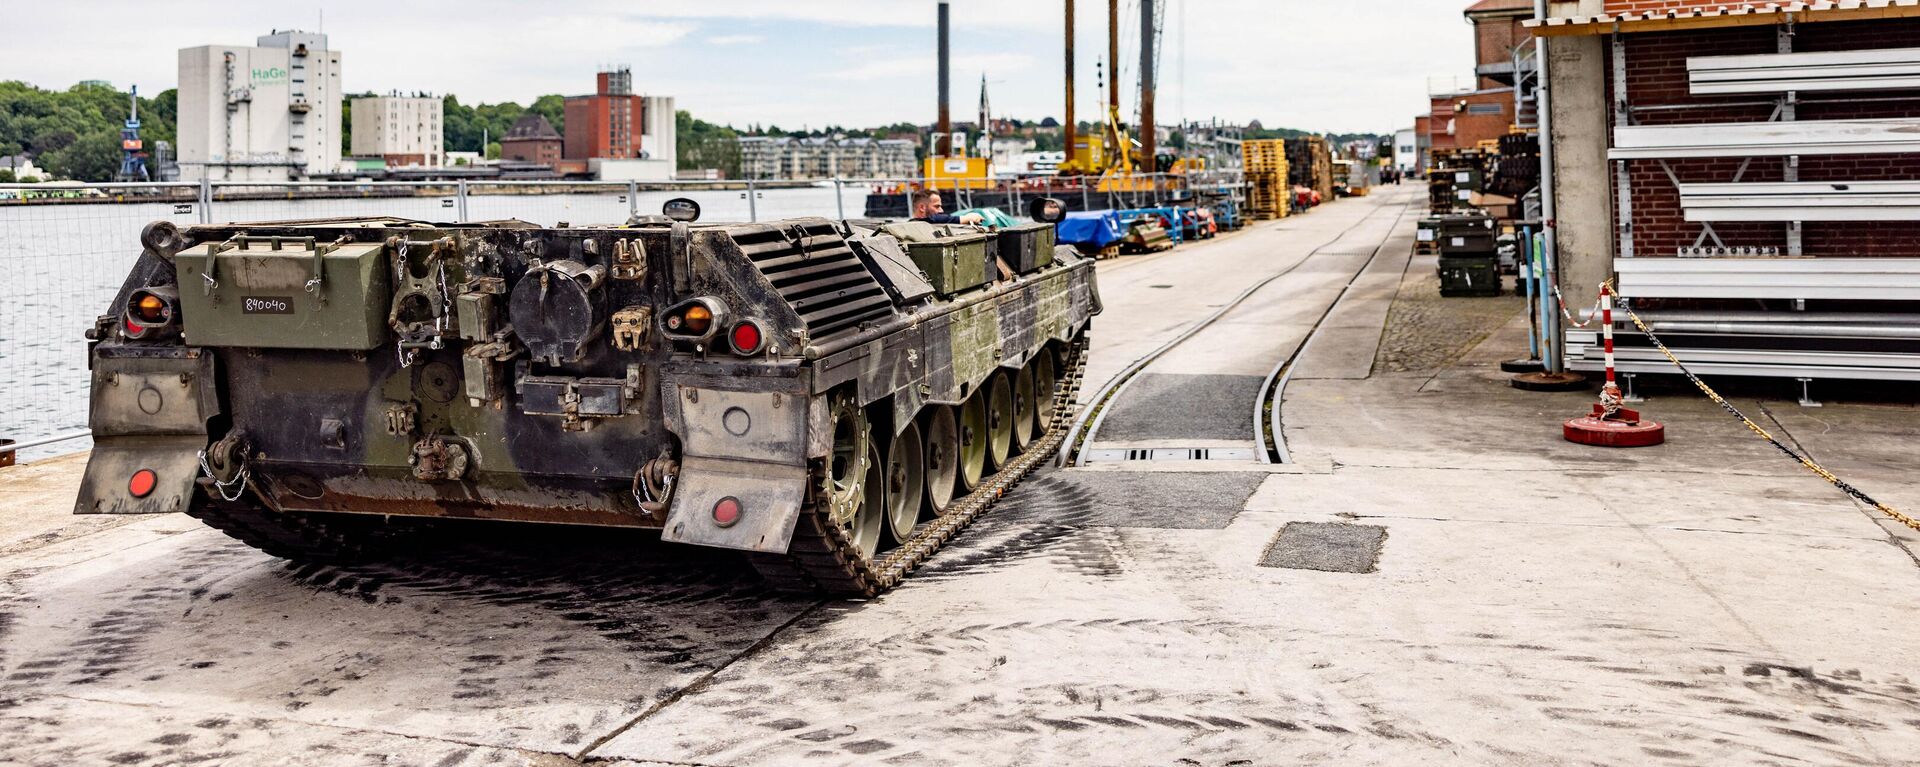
x: 1265, y: 161
x: 1310, y: 162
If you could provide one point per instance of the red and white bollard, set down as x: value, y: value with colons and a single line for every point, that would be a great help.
x: 1610, y: 424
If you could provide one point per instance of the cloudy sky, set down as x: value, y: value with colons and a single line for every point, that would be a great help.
x: 1329, y: 65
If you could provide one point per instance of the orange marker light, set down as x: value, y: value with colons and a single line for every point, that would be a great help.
x: 152, y: 309
x: 141, y: 484
x: 699, y: 318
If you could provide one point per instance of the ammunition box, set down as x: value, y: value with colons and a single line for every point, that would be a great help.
x: 1027, y: 247
x: 287, y: 294
x: 954, y: 259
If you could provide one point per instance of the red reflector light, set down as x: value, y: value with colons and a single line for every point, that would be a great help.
x: 141, y: 484
x: 746, y: 337
x: 726, y: 511
x: 134, y: 330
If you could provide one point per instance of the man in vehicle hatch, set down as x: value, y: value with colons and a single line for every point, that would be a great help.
x: 928, y: 207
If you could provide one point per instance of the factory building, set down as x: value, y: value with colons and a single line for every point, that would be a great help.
x: 780, y: 157
x: 617, y: 135
x: 266, y: 112
x: 403, y: 130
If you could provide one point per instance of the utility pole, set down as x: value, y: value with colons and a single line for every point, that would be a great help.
x: 1146, y: 87
x: 1067, y: 125
x: 943, y: 132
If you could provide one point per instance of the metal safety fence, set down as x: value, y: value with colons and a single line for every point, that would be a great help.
x: 66, y: 248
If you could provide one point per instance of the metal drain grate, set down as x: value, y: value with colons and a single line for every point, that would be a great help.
x: 1168, y: 454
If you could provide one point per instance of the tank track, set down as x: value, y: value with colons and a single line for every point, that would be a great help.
x: 821, y: 560
x: 301, y: 538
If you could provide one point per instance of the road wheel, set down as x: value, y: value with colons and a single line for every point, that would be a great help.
x: 1045, y: 386
x: 1023, y: 404
x: 906, y: 480
x: 973, y: 440
x: 942, y: 454
x: 854, y: 484
x: 999, y: 420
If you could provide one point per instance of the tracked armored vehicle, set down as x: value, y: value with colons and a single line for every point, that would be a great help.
x: 837, y: 398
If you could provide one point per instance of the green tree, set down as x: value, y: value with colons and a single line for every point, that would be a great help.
x: 75, y: 133
x: 703, y: 145
x: 93, y: 157
x: 552, y: 106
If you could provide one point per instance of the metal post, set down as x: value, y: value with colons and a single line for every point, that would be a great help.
x: 907, y: 191
x: 1086, y: 200
x: 1147, y: 131
x: 633, y: 198
x: 1789, y: 112
x: 1554, y: 354
x: 206, y: 200
x: 1067, y: 126
x: 753, y: 207
x: 839, y: 204
x: 460, y: 194
x: 943, y: 138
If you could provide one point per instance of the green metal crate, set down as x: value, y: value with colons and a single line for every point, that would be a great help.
x: 954, y: 258
x: 289, y: 294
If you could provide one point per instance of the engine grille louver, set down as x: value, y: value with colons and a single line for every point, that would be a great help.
x: 816, y: 272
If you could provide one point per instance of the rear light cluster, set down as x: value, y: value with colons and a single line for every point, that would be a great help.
x: 150, y: 311
x: 698, y: 320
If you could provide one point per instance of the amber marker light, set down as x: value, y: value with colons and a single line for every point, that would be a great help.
x: 698, y: 318
x: 151, y: 308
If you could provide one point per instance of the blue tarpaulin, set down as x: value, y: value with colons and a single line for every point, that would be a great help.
x: 1094, y: 228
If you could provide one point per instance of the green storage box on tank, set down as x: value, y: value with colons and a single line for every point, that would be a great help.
x: 1027, y: 247
x: 284, y: 294
x: 954, y: 258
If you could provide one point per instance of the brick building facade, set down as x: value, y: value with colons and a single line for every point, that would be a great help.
x: 531, y: 139
x: 607, y: 124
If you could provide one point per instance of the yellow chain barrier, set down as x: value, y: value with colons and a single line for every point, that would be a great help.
x: 1728, y: 406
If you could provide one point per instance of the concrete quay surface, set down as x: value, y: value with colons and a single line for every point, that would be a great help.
x: 1484, y: 592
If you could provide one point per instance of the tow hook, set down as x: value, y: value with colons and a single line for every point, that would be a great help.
x: 653, y: 485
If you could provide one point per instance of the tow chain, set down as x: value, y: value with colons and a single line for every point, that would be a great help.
x: 1803, y: 460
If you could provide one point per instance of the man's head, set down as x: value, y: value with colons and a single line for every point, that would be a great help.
x: 927, y: 202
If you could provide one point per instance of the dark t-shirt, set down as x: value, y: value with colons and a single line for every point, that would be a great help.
x: 940, y: 218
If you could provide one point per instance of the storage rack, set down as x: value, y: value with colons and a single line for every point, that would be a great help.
x: 1868, y: 335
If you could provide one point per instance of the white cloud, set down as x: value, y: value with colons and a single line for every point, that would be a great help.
x: 1346, y: 65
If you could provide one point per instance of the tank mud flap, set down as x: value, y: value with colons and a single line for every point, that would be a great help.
x: 765, y: 497
x: 140, y: 475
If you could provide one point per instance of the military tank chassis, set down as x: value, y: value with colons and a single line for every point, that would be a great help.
x: 800, y: 390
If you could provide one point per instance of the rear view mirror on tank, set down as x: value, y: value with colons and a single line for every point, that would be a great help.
x: 681, y: 209
x: 1047, y: 210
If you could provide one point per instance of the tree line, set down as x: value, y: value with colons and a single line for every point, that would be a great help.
x: 75, y: 133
